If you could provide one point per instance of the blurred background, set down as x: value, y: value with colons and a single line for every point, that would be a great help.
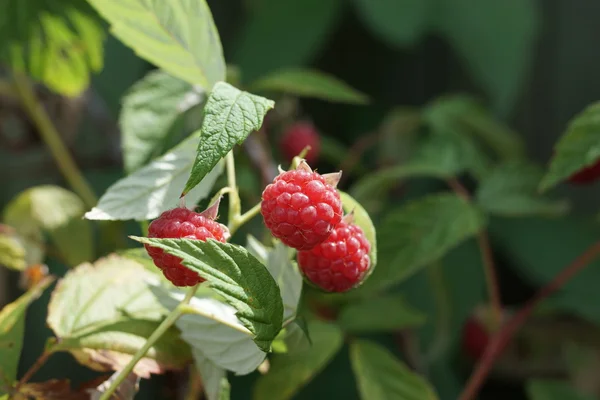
x: 532, y: 64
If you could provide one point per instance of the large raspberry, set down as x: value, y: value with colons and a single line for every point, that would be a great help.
x: 301, y: 207
x: 183, y: 223
x: 586, y: 175
x: 297, y: 137
x: 341, y: 262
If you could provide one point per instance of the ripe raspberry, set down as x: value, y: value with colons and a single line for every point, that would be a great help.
x: 301, y: 207
x: 586, y: 175
x: 183, y: 223
x: 341, y: 262
x: 297, y: 137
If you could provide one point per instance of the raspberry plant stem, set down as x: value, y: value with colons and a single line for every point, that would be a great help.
x: 489, y: 267
x: 162, y: 328
x: 51, y: 137
x: 503, y: 336
x: 234, y: 196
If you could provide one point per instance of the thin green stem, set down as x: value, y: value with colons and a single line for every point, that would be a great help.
x: 51, y: 137
x: 235, y: 206
x: 141, y: 353
x: 245, y: 217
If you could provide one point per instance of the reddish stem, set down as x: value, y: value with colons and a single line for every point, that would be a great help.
x: 34, y: 368
x: 489, y: 266
x: 502, y: 337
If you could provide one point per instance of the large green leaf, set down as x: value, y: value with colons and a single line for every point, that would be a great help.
x: 419, y: 233
x: 309, y: 83
x: 381, y: 376
x: 179, y: 36
x: 276, y: 34
x: 286, y: 274
x: 362, y: 219
x: 12, y: 327
x: 366, y: 316
x: 398, y: 22
x: 496, y: 53
x: 150, y: 109
x: 56, y: 211
x: 59, y: 44
x: 103, y: 313
x: 511, y: 190
x: 290, y: 372
x: 578, y: 148
x: 155, y: 188
x: 546, y: 389
x: 236, y: 275
x: 214, y: 332
x: 230, y: 115
x: 471, y: 118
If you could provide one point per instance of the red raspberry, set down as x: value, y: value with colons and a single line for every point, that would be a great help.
x: 183, y: 223
x: 301, y: 207
x: 586, y: 175
x: 341, y: 262
x: 475, y: 338
x: 297, y: 137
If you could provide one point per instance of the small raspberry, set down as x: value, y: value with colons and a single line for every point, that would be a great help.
x: 341, y: 262
x: 183, y: 223
x: 297, y: 137
x: 586, y: 175
x: 301, y: 207
x: 475, y: 338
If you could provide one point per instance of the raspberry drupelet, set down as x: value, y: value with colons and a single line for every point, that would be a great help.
x: 341, y: 262
x: 302, y: 207
x: 182, y: 223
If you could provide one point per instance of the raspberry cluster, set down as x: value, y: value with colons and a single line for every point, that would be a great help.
x: 303, y: 209
x: 183, y: 223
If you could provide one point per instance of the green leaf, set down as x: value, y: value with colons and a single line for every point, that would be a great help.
x: 214, y: 332
x: 366, y: 316
x: 230, y: 115
x: 381, y: 376
x: 237, y: 276
x: 309, y: 83
x: 12, y: 327
x: 469, y: 117
x: 12, y: 250
x: 362, y: 219
x: 497, y: 54
x: 150, y: 109
x: 178, y: 36
x: 546, y: 389
x: 539, y: 249
x: 104, y: 312
x: 288, y: 278
x: 511, y: 190
x: 373, y: 187
x: 400, y: 23
x: 214, y: 379
x: 290, y: 372
x: 578, y: 148
x: 155, y: 188
x: 419, y: 233
x: 56, y: 211
x: 59, y: 45
x: 275, y: 35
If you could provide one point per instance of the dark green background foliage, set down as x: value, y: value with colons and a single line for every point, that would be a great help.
x: 524, y: 64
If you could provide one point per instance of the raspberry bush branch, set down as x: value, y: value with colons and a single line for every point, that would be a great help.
x: 51, y: 137
x: 501, y: 338
x: 141, y: 353
x: 487, y: 258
